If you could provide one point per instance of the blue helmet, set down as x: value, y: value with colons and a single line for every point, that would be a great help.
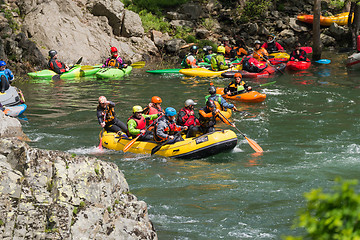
x: 169, y: 111
x: 2, y: 63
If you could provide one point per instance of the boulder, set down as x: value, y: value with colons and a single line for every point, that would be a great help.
x: 337, y: 31
x: 10, y: 127
x: 202, y: 33
x: 252, y: 28
x: 327, y: 41
x: 132, y: 25
x: 297, y: 26
x: 193, y: 10
x: 182, y: 23
x: 174, y: 45
x: 176, y: 16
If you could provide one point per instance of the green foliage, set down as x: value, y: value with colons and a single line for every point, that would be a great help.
x: 208, y: 23
x: 332, y: 216
x: 337, y: 4
x: 254, y: 9
x: 153, y: 22
x: 109, y: 209
x: 182, y: 32
x: 75, y: 210
x: 12, y: 23
x: 154, y: 6
x: 73, y: 155
x: 82, y: 204
x: 97, y: 171
x: 1, y: 223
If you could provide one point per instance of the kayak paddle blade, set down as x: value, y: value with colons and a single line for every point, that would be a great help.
x: 140, y: 64
x: 323, y: 61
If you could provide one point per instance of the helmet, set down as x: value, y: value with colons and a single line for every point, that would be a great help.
x: 113, y: 49
x: 102, y: 99
x: 210, y: 104
x: 250, y: 51
x: 224, y: 38
x: 137, y: 109
x: 156, y: 99
x: 273, y: 37
x: 169, y: 111
x: 2, y: 63
x: 190, y: 102
x: 207, y: 48
x: 221, y: 49
x: 52, y: 53
x: 212, y: 90
x: 193, y: 49
x: 257, y: 42
x: 236, y: 75
x: 298, y: 44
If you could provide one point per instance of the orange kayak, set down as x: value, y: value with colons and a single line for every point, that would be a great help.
x: 251, y: 97
x: 340, y: 19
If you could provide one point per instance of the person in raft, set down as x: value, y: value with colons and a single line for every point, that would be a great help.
x: 106, y: 117
x: 218, y: 98
x: 207, y: 117
x: 166, y: 128
x: 55, y: 65
x: 186, y: 117
x: 252, y: 65
x: 208, y: 54
x: 6, y: 77
x: 237, y: 86
x: 190, y: 60
x: 154, y: 107
x: 137, y: 124
x: 298, y: 54
x: 271, y: 46
x: 114, y: 60
x: 218, y: 61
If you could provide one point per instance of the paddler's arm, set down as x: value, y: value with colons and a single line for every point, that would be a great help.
x: 131, y: 124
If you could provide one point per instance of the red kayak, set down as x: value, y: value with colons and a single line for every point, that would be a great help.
x: 269, y: 70
x: 299, y: 65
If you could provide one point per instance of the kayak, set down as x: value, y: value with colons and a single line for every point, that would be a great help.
x: 249, y: 97
x: 191, y: 148
x: 201, y: 72
x: 280, y: 55
x: 76, y: 71
x: 277, y: 61
x: 353, y: 61
x: 11, y: 97
x: 113, y: 72
x: 340, y: 19
x: 269, y: 70
x: 299, y: 65
x: 164, y: 71
x: 15, y: 111
x: 226, y: 113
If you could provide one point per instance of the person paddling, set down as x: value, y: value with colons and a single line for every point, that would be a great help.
x: 237, y: 86
x: 6, y: 77
x: 166, y: 128
x: 106, y: 117
x: 154, y: 107
x: 137, y: 124
x: 259, y: 52
x: 271, y: 46
x: 114, y: 60
x: 298, y: 54
x: 207, y: 117
x: 190, y: 60
x: 55, y: 65
x: 186, y: 117
x: 218, y: 98
x: 218, y: 61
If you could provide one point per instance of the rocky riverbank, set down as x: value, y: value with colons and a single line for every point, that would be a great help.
x: 55, y: 195
x: 87, y: 28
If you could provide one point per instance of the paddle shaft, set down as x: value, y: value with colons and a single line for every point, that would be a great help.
x: 158, y: 147
x: 100, y: 144
x: 131, y: 143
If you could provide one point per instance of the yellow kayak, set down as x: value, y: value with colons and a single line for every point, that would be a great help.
x: 280, y: 55
x: 226, y: 113
x: 201, y: 72
x: 191, y: 148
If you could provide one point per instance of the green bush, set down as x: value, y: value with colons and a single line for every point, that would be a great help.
x: 153, y: 6
x: 334, y: 216
x: 153, y: 22
x: 254, y: 9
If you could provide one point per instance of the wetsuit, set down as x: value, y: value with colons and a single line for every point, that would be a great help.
x: 107, y: 115
x: 218, y: 63
x: 5, y: 78
x: 189, y: 61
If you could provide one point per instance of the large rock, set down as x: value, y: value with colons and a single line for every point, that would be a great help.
x: 132, y: 26
x: 193, y: 10
x: 9, y: 127
x: 297, y: 25
x: 174, y: 45
x: 53, y: 195
x: 182, y: 23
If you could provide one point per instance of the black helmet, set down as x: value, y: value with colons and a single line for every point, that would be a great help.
x: 193, y: 49
x: 212, y: 90
x: 210, y: 104
x: 52, y: 53
x: 250, y: 51
x: 206, y: 49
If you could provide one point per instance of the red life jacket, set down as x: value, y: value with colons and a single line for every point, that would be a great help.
x: 140, y: 123
x: 152, y: 111
x: 187, y: 119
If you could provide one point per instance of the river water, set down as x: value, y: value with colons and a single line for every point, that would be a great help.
x: 308, y: 127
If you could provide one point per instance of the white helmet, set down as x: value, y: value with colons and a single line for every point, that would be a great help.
x: 190, y: 102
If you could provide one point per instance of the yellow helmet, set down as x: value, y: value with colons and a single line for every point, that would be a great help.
x: 221, y: 49
x: 137, y: 108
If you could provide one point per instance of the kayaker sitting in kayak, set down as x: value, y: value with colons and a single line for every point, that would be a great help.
x: 250, y: 64
x: 208, y: 54
x: 259, y: 52
x: 238, y: 50
x: 218, y: 98
x: 218, y: 61
x: 237, y: 86
x: 186, y: 117
x: 137, y: 124
x: 114, y: 60
x: 298, y: 54
x: 190, y: 60
x: 6, y: 77
x: 166, y: 128
x: 106, y: 117
x: 225, y: 41
x: 271, y: 46
x: 154, y: 107
x: 56, y: 65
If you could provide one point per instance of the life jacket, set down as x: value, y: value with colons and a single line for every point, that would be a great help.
x: 245, y: 63
x: 56, y: 66
x: 113, y: 62
x: 207, y: 58
x: 187, y: 119
x: 217, y: 61
x: 237, y: 87
x: 170, y: 129
x: 271, y: 47
x: 301, y: 56
x: 110, y: 114
x: 152, y: 111
x: 206, y: 121
x: 259, y: 53
x: 140, y: 123
x: 237, y: 52
x: 189, y: 61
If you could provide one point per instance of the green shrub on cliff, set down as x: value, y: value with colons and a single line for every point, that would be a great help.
x: 153, y: 6
x: 153, y: 22
x: 254, y: 9
x: 333, y: 216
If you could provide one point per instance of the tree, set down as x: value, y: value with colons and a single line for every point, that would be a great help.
x: 332, y: 216
x: 316, y: 31
x: 355, y: 24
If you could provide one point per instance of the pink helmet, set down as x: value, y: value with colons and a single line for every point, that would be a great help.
x: 102, y: 99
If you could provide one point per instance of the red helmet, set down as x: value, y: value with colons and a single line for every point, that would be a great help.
x: 156, y: 99
x: 113, y: 49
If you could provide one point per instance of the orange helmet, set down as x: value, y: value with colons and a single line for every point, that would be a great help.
x: 156, y: 99
x: 102, y: 99
x: 237, y: 75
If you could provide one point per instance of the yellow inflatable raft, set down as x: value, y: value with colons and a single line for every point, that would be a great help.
x: 191, y: 148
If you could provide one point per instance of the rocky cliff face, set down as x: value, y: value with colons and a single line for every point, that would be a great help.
x: 54, y: 195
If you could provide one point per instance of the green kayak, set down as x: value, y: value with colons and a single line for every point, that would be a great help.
x: 113, y: 72
x: 164, y: 71
x: 75, y: 72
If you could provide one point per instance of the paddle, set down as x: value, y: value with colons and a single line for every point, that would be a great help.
x: 265, y: 84
x: 277, y: 69
x: 100, y: 144
x: 251, y: 142
x: 57, y: 76
x: 139, y: 64
x: 157, y: 148
x: 131, y: 143
x: 323, y: 61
